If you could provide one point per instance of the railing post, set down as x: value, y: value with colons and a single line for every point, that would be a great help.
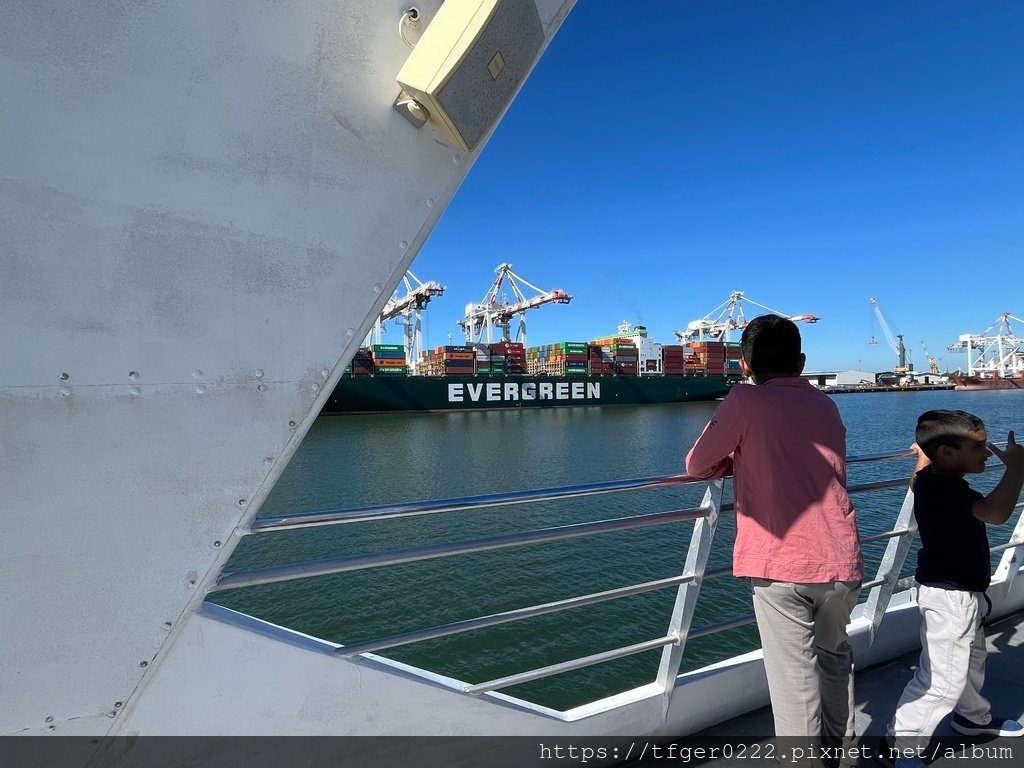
x: 1009, y: 566
x: 686, y: 596
x: 891, y: 566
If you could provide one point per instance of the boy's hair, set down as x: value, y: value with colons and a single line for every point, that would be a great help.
x: 771, y: 344
x: 935, y: 428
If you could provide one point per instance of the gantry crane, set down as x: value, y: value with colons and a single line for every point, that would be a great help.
x: 729, y: 316
x: 895, y: 342
x: 494, y: 312
x: 933, y: 363
x: 409, y: 307
x: 1000, y: 350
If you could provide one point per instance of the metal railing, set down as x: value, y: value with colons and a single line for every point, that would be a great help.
x: 687, y: 583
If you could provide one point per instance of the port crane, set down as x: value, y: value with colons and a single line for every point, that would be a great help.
x: 409, y: 307
x: 933, y: 362
x: 999, y: 348
x: 495, y: 312
x: 718, y: 324
x: 894, y: 341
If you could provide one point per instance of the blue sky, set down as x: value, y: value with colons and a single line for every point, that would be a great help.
x: 810, y: 154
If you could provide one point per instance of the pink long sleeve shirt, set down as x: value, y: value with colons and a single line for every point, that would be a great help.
x: 786, y: 446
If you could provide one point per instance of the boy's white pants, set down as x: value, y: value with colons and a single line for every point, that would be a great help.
x: 952, y: 667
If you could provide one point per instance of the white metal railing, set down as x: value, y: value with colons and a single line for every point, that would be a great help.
x: 887, y: 581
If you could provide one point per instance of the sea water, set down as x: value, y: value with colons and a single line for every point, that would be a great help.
x: 353, y: 461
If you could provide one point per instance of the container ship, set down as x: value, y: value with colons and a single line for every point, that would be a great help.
x: 626, y: 369
x: 968, y: 383
x: 995, y: 358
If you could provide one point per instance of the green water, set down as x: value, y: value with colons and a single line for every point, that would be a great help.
x: 360, y: 460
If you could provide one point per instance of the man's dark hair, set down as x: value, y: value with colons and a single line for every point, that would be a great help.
x: 771, y: 345
x: 935, y: 428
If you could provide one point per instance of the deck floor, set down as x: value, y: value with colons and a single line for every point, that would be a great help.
x: 878, y: 689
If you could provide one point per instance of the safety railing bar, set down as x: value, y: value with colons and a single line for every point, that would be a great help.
x: 866, y: 457
x: 880, y: 485
x: 462, y: 504
x: 504, y: 617
x: 905, y: 454
x: 711, y: 629
x: 884, y: 536
x: 1007, y: 545
x: 874, y: 583
x: 568, y: 666
x: 394, y: 557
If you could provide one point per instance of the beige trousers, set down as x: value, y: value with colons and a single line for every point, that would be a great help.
x: 807, y: 658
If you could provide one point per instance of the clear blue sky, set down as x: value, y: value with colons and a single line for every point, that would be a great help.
x: 810, y: 154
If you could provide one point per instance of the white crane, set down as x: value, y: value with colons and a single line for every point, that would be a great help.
x: 410, y: 308
x: 729, y: 316
x: 933, y: 362
x: 494, y: 312
x: 999, y: 349
x: 895, y: 342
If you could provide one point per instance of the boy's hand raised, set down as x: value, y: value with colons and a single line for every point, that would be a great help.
x: 1012, y: 455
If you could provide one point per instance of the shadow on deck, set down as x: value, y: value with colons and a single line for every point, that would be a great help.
x: 877, y: 690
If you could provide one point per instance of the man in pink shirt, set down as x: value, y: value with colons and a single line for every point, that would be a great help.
x: 796, y: 531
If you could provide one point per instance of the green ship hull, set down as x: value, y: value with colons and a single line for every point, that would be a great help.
x: 390, y: 394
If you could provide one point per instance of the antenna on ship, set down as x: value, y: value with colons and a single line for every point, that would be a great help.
x: 718, y: 324
x: 409, y: 307
x: 495, y: 311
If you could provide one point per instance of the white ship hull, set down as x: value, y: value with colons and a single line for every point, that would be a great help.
x: 202, y: 207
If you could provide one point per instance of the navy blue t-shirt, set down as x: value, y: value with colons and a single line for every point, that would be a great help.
x: 954, y: 550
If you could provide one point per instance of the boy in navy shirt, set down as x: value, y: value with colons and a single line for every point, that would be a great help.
x: 953, y: 572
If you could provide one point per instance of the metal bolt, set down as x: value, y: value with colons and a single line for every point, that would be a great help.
x: 63, y: 376
x: 261, y: 387
x: 430, y: 203
x: 49, y: 718
x: 197, y: 374
x: 133, y: 375
x: 259, y: 373
x: 403, y: 244
x: 292, y: 424
x: 118, y: 703
x: 241, y: 502
x: 143, y: 663
x: 167, y: 624
x: 216, y: 544
x: 200, y: 389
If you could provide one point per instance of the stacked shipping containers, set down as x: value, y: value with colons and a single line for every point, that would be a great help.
x: 626, y: 358
x: 618, y: 355
x: 717, y: 358
x: 389, y: 360
x: 564, y: 358
x: 449, y: 361
x: 508, y: 357
x: 362, y: 363
x: 674, y: 357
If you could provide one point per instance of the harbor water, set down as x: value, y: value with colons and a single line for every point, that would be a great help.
x: 353, y: 461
